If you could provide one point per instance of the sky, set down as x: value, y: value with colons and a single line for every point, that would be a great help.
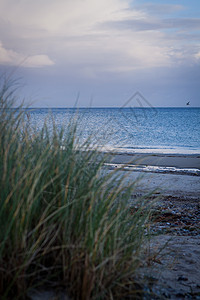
x: 99, y: 53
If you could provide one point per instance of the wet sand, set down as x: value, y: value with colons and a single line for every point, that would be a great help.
x: 164, y: 160
x: 167, y: 183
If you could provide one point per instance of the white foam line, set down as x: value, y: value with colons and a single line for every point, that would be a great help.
x: 154, y: 169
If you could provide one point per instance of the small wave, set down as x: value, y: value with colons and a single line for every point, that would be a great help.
x: 154, y: 169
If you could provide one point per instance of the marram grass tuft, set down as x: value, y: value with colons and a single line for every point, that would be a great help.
x: 63, y: 221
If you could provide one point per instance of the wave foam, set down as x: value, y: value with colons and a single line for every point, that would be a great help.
x: 154, y: 169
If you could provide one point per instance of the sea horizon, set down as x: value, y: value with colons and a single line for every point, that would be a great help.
x: 173, y: 130
x: 110, y: 107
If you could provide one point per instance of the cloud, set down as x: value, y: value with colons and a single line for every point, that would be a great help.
x: 94, y: 36
x: 10, y: 57
x: 160, y: 9
x: 61, y: 17
x: 155, y: 24
x: 37, y: 61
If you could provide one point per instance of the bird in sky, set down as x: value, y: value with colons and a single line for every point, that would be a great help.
x: 188, y: 103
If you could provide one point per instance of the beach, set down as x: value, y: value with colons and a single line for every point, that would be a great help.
x: 175, y: 269
x: 152, y: 201
x: 99, y: 150
x: 171, y: 175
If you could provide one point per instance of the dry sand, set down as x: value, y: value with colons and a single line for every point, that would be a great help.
x: 175, y: 273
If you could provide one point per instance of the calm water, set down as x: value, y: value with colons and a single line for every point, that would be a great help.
x: 168, y: 130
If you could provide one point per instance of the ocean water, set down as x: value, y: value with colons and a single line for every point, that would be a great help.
x: 129, y: 130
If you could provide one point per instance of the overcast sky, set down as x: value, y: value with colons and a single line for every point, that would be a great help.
x: 103, y: 50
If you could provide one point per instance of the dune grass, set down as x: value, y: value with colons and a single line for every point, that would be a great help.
x: 62, y: 220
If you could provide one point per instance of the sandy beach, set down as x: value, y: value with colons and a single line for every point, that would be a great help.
x: 175, y: 271
x: 171, y: 175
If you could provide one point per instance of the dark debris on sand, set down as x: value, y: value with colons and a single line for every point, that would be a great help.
x: 174, y: 271
x: 177, y: 217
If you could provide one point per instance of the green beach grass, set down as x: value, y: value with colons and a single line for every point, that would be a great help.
x: 63, y: 221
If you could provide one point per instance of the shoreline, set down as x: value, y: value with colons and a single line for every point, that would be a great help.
x: 181, y: 161
x: 164, y: 174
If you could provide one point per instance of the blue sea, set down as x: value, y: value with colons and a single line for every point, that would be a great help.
x: 130, y: 130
